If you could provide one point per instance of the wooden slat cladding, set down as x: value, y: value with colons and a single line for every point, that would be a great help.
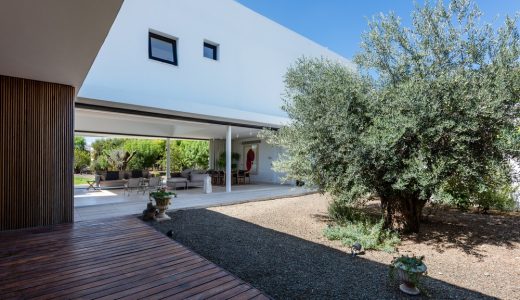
x: 36, y: 151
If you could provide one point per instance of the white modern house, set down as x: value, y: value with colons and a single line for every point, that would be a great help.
x: 193, y: 69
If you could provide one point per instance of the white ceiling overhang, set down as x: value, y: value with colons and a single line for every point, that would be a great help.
x: 90, y: 122
x: 53, y: 40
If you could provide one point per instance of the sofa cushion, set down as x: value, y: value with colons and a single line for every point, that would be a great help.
x: 186, y: 173
x: 112, y: 175
x: 198, y: 177
x: 175, y: 174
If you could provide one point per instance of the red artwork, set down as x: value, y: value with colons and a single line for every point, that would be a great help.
x: 250, y: 159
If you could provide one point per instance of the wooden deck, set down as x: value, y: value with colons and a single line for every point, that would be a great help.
x: 109, y: 259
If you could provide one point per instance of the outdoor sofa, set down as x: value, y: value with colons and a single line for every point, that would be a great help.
x: 118, y: 178
x: 187, y: 178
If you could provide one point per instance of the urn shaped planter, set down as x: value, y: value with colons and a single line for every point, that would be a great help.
x: 410, y: 271
x: 162, y: 205
x: 162, y: 201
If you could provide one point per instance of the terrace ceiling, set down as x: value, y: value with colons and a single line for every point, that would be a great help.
x: 104, y: 123
x: 53, y: 40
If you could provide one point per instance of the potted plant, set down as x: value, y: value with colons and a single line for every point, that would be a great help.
x: 162, y: 200
x: 410, y: 270
x: 235, y: 158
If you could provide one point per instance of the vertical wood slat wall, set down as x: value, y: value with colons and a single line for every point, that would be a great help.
x: 36, y: 153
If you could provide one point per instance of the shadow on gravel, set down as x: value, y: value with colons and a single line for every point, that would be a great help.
x: 287, y: 267
x: 467, y: 231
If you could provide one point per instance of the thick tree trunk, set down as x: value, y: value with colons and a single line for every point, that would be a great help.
x: 402, y: 213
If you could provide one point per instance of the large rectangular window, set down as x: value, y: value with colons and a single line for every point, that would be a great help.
x: 210, y: 51
x: 162, y: 48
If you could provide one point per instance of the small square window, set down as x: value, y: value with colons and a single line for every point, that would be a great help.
x: 210, y: 51
x: 162, y: 48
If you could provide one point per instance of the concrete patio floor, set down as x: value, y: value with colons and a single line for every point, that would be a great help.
x: 89, y: 205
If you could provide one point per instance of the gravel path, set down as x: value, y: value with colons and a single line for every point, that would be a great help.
x: 278, y: 247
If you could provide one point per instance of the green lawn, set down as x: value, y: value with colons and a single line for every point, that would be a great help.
x: 82, y: 179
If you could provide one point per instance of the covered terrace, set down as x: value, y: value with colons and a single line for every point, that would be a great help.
x: 227, y: 136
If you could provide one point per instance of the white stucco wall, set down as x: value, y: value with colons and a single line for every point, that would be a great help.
x: 245, y: 83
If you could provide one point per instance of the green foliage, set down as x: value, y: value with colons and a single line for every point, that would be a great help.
x: 413, y: 266
x: 188, y: 155
x: 80, y: 143
x: 81, y: 155
x: 81, y: 159
x: 100, y: 163
x: 443, y: 102
x: 193, y: 154
x: 118, y: 159
x: 492, y: 191
x: 369, y: 235
x: 102, y: 146
x: 162, y: 194
x: 344, y: 214
x: 162, y: 197
x: 354, y: 225
x: 235, y: 157
x: 82, y: 179
x: 147, y: 153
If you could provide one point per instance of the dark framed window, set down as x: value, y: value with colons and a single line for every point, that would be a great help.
x: 162, y: 48
x: 210, y: 51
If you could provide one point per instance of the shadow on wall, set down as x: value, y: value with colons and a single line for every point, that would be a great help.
x: 285, y: 266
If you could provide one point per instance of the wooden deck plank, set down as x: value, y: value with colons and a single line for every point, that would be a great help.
x: 26, y: 272
x: 249, y: 294
x: 214, y: 291
x: 120, y: 258
x: 231, y: 292
x: 69, y: 283
x: 66, y: 261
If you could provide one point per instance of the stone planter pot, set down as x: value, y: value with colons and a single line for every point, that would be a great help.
x: 162, y: 205
x: 407, y: 285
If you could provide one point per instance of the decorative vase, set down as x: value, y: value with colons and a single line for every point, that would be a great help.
x: 162, y: 206
x: 408, y: 285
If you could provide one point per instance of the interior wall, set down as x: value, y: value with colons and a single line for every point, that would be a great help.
x: 36, y: 153
x: 266, y: 155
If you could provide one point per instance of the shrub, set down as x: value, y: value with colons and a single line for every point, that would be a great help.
x: 493, y: 190
x: 343, y: 213
x: 354, y: 225
x: 369, y: 235
x: 81, y: 160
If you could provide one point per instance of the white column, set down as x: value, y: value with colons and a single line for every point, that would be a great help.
x: 228, y: 160
x: 211, y: 157
x: 168, y: 162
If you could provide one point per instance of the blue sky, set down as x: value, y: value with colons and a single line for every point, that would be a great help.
x: 338, y: 24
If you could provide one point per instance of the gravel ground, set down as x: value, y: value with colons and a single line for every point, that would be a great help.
x: 278, y: 246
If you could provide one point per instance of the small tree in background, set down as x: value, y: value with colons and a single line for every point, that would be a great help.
x: 432, y: 104
x: 119, y: 159
x: 81, y: 155
x: 147, y: 153
x: 188, y: 155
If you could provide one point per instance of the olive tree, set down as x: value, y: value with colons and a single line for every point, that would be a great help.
x: 427, y: 104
